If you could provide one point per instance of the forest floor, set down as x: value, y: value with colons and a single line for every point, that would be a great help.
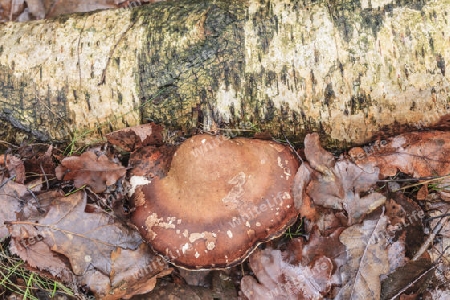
x: 373, y: 223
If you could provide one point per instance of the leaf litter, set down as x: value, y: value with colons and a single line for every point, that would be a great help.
x: 361, y: 238
x: 344, y: 207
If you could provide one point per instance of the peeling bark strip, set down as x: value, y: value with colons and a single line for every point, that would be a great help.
x: 348, y: 69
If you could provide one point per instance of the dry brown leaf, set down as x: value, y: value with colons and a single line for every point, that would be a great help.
x: 38, y: 255
x: 409, y: 276
x: 328, y: 246
x: 67, y: 7
x: 38, y: 161
x: 5, y: 10
x: 132, y: 138
x: 175, y: 291
x: 418, y: 154
x: 336, y: 184
x: 133, y: 272
x: 15, y: 168
x: 10, y: 194
x: 367, y: 259
x: 319, y: 159
x: 90, y: 248
x: 86, y: 239
x: 98, y: 172
x: 440, y: 222
x: 301, y: 181
x: 439, y: 294
x: 130, y: 267
x: 280, y: 280
x: 36, y: 8
x: 151, y: 161
x: 422, y: 194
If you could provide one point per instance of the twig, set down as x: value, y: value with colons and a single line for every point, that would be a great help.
x: 427, y: 180
x: 292, y: 148
x: 430, y: 239
x: 45, y: 175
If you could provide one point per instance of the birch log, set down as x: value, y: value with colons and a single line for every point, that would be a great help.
x: 349, y: 69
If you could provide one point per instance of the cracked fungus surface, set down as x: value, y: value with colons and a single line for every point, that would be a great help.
x: 220, y: 199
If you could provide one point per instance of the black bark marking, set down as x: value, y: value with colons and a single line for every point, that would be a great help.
x: 329, y: 94
x: 441, y: 64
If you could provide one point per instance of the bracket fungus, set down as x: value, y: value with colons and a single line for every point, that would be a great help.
x: 219, y: 200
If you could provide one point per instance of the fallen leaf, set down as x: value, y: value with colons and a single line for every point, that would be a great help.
x: 90, y: 248
x: 10, y: 203
x: 441, y: 251
x: 98, y: 172
x: 339, y: 185
x: 367, y: 259
x: 407, y: 279
x: 439, y: 294
x: 132, y: 138
x: 277, y: 279
x: 86, y: 239
x: 169, y: 290
x: 418, y: 154
x: 301, y: 181
x: 15, y: 168
x: 36, y: 8
x: 328, y: 246
x: 38, y: 254
x: 134, y: 272
x: 319, y: 159
x: 151, y: 161
x: 38, y: 161
x: 67, y: 7
x: 405, y: 217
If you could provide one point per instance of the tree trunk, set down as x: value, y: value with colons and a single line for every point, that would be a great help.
x: 349, y: 69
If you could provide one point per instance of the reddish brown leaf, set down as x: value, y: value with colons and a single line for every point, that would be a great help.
x: 98, y: 172
x: 38, y: 160
x: 134, y: 272
x: 418, y: 154
x: 318, y: 246
x: 422, y: 194
x: 340, y: 184
x: 15, y: 168
x: 152, y: 161
x: 132, y: 138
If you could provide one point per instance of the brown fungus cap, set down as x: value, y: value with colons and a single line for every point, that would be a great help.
x: 219, y: 200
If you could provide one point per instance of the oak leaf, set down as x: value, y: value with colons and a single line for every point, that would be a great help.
x: 89, y: 248
x: 340, y: 185
x: 417, y: 154
x: 86, y: 239
x: 278, y: 279
x: 367, y: 259
x: 97, y: 172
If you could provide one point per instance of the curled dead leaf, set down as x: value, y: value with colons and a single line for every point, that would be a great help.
x: 97, y: 172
